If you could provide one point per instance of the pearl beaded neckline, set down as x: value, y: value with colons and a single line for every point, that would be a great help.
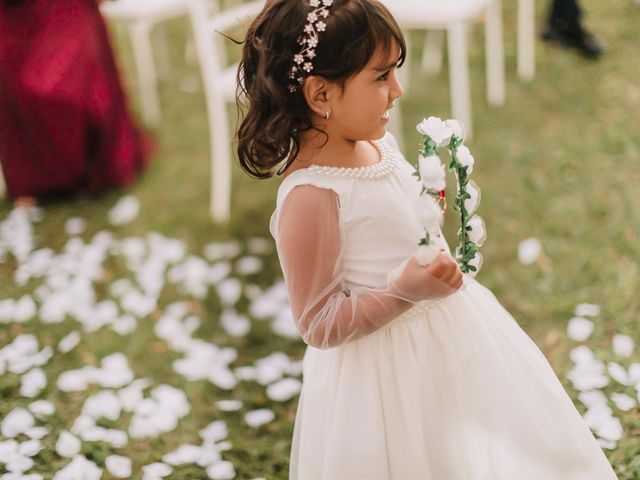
x: 378, y: 170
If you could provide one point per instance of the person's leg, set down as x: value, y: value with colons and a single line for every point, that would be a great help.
x: 564, y: 13
x: 564, y: 27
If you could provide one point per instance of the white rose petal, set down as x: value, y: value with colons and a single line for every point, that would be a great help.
x: 284, y: 389
x: 623, y: 402
x: 249, y: 265
x: 579, y: 329
x: 17, y: 421
x: 125, y: 211
x: 69, y: 342
x: 73, y: 381
x: 157, y: 469
x: 221, y: 471
x: 30, y: 448
x: 42, y: 408
x: 75, y: 226
x: 24, y: 309
x: 19, y: 464
x: 618, y: 373
x: 214, y: 432
x: 79, y: 468
x: 104, y: 404
x: 587, y: 310
x: 234, y: 324
x: 284, y: 324
x: 623, y: 345
x: 68, y: 445
x: 257, y: 418
x: 32, y: 383
x: 529, y: 251
x: 634, y: 374
x: 607, y: 444
x: 36, y: 433
x: 229, y: 405
x: 229, y: 291
x: 184, y: 454
x: 118, y: 466
x: 593, y: 398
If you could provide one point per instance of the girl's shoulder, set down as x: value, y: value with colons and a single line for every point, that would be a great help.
x: 341, y: 179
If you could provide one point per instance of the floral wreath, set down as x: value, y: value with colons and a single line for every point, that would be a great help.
x: 431, y: 172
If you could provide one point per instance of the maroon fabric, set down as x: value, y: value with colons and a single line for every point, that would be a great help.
x: 64, y: 125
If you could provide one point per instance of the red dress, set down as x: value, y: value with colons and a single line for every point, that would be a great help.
x: 64, y: 124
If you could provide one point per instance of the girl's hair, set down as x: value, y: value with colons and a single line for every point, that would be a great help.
x: 275, y: 118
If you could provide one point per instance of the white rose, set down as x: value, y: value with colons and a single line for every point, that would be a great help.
x: 429, y: 214
x: 456, y: 127
x: 432, y: 173
x: 465, y: 158
x: 477, y: 234
x: 471, y: 204
x: 436, y: 130
x: 426, y: 254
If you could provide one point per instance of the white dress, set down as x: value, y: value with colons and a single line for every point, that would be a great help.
x: 451, y: 389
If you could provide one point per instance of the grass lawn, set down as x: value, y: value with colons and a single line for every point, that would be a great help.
x: 560, y: 162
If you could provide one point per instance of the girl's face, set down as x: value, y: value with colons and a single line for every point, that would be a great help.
x: 361, y: 111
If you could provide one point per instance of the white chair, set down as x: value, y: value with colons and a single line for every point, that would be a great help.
x: 219, y: 80
x: 526, y: 39
x: 455, y: 16
x: 433, y: 45
x: 141, y: 16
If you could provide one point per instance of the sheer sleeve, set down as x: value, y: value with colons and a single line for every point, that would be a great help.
x: 327, y: 314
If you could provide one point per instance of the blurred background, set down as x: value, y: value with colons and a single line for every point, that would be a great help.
x: 143, y: 253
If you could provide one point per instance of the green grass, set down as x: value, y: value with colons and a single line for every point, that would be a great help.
x: 559, y: 162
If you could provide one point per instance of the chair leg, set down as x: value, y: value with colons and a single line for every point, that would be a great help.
x: 494, y: 50
x: 459, y: 75
x: 162, y: 53
x: 526, y: 39
x: 220, y: 160
x: 432, y: 52
x: 147, y: 79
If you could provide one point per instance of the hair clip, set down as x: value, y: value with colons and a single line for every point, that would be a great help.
x: 302, y: 64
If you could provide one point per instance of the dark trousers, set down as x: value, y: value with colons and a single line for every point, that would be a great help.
x: 564, y: 14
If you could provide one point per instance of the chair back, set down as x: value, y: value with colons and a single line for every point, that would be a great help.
x: 209, y: 26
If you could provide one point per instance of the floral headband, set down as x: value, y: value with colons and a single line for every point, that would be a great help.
x: 302, y: 61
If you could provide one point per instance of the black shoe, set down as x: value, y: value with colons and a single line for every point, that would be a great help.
x: 574, y: 37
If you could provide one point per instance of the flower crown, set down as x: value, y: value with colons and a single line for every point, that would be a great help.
x: 302, y: 61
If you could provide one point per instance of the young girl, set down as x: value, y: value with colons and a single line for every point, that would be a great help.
x: 406, y: 376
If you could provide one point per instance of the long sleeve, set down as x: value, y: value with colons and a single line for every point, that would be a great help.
x: 327, y: 314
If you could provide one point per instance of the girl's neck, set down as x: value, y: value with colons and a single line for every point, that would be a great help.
x: 315, y: 149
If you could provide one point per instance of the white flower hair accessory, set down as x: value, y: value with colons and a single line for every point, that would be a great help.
x: 303, y: 60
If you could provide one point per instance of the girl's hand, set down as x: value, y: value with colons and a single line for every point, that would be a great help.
x: 439, y: 279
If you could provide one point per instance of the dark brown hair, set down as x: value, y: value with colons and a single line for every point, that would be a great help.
x: 275, y: 118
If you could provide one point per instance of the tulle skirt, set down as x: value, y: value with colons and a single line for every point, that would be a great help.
x: 452, y: 391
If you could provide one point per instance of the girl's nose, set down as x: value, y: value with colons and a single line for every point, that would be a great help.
x: 396, y: 89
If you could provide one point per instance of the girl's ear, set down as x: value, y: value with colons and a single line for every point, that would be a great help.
x: 317, y: 92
